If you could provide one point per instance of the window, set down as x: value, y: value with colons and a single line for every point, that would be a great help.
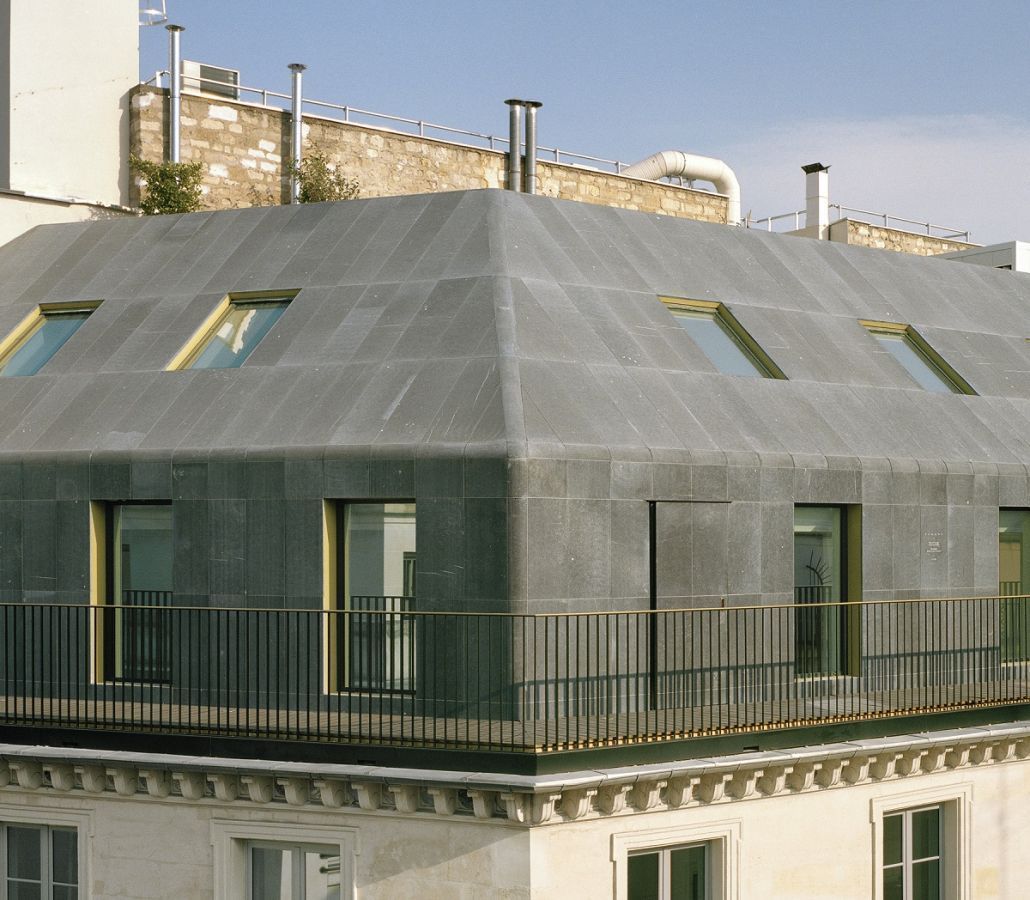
x: 918, y: 358
x: 371, y: 581
x: 282, y: 861
x: 722, y: 339
x: 277, y: 871
x: 921, y: 844
x: 133, y: 575
x: 31, y: 345
x: 677, y: 873
x: 1014, y: 582
x: 912, y: 854
x: 697, y: 862
x: 825, y: 576
x: 231, y: 332
x: 39, y: 861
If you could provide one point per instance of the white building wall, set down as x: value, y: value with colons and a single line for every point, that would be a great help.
x: 68, y: 69
x: 816, y: 844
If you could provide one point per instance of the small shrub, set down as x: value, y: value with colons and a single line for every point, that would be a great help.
x: 321, y: 181
x: 168, y: 187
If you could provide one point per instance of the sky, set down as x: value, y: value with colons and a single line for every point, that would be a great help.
x: 921, y: 108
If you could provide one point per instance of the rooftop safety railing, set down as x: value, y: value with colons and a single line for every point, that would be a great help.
x: 794, y: 221
x: 383, y: 673
x: 345, y: 113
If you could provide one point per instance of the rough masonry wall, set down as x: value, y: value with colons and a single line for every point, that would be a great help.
x: 862, y: 234
x: 242, y: 148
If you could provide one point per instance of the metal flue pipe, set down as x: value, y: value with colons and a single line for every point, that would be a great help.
x: 514, y: 144
x: 174, y: 91
x: 531, y: 180
x: 297, y: 139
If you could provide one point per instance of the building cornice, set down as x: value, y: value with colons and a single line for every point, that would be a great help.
x: 508, y: 799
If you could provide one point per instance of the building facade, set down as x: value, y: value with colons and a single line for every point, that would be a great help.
x: 486, y: 544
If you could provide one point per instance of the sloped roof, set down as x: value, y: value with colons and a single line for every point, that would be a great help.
x: 492, y: 320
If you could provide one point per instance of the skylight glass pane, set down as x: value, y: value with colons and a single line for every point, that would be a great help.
x: 926, y: 374
x: 238, y: 334
x: 43, y: 342
x: 721, y: 348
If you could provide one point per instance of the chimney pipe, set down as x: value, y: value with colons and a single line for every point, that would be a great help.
x: 514, y: 144
x: 532, y: 182
x: 174, y: 91
x: 817, y: 200
x: 297, y: 139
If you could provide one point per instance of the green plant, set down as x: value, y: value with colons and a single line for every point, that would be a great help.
x: 168, y: 187
x: 320, y: 180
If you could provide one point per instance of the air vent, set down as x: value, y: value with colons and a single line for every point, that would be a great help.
x: 215, y: 81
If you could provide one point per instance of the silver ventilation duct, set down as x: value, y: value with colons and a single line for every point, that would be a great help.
x: 174, y: 90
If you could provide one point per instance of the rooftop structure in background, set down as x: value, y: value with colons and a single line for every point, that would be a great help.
x: 860, y: 227
x: 1012, y: 255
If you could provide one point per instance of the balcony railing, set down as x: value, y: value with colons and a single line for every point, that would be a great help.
x: 384, y: 674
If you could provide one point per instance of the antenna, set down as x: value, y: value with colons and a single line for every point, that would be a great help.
x: 152, y: 12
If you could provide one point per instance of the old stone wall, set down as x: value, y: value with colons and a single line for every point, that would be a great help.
x: 862, y: 234
x: 242, y: 147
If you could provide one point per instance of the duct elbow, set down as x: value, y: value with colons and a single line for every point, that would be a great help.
x: 676, y: 163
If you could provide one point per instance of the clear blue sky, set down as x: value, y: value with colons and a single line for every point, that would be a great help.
x: 920, y: 106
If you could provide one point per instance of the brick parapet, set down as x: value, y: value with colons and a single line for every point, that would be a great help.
x: 864, y: 234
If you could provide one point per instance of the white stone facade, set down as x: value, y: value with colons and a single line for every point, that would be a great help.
x: 791, y: 824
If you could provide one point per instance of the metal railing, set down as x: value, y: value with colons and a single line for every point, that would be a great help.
x: 354, y: 115
x: 796, y: 220
x: 385, y: 674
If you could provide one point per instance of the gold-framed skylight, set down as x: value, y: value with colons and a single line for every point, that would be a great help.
x: 722, y: 338
x: 41, y: 334
x: 232, y: 331
x: 922, y: 363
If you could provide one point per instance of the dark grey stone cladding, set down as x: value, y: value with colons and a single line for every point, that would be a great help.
x: 503, y: 360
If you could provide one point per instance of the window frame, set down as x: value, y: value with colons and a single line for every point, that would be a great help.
x: 1015, y: 606
x: 955, y: 802
x: 231, y: 841
x: 23, y: 332
x: 722, y: 839
x: 334, y: 581
x: 721, y: 315
x: 850, y: 550
x: 922, y: 349
x: 198, y: 341
x: 102, y: 570
x: 82, y: 823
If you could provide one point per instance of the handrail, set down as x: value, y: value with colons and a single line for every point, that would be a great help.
x: 419, y: 126
x: 798, y: 215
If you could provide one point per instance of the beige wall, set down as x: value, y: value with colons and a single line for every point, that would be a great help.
x: 816, y: 844
x: 243, y: 146
x: 862, y: 234
x: 18, y: 214
x: 68, y: 70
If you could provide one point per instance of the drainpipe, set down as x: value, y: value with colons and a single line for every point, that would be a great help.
x: 514, y: 144
x: 817, y: 200
x: 297, y: 140
x: 532, y: 182
x: 174, y: 90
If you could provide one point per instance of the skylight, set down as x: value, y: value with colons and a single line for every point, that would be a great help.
x: 231, y: 333
x: 923, y: 364
x: 30, y: 346
x: 722, y: 339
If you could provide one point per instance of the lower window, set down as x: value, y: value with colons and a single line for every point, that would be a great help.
x: 39, y: 861
x: 278, y: 871
x: 674, y: 873
x: 912, y: 848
